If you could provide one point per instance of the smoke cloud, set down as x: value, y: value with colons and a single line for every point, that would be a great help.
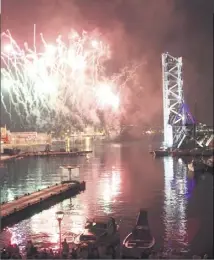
x: 137, y: 30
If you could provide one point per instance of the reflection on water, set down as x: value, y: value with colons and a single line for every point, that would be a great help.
x: 43, y: 228
x: 175, y: 219
x: 105, y: 178
x: 120, y: 179
x: 109, y: 188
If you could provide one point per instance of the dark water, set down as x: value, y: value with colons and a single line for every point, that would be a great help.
x: 120, y: 180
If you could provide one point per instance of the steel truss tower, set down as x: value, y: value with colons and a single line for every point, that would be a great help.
x: 179, y: 125
x: 173, y: 101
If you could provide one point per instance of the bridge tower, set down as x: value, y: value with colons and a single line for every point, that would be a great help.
x: 173, y: 101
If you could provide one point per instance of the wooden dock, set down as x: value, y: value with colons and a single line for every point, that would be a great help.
x: 29, y: 204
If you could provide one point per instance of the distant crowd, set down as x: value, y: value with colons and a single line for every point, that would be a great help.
x: 81, y: 252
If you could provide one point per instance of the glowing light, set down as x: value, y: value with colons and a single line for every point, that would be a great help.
x: 50, y: 49
x: 175, y: 219
x: 64, y: 80
x: 106, y: 97
x: 87, y: 143
x: 94, y: 43
x: 13, y: 239
x: 111, y: 187
x: 78, y: 62
x: 149, y: 132
x: 8, y: 48
x: 6, y: 83
x: 10, y: 195
x: 180, y: 160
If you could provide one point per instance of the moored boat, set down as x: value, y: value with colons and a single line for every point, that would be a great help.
x: 162, y: 152
x: 208, y: 152
x: 100, y: 230
x: 196, y: 166
x: 180, y: 153
x: 208, y: 164
x: 201, y: 152
x: 140, y: 240
x: 192, y: 152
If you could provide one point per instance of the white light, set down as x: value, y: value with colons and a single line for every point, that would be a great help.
x: 180, y: 161
x: 76, y: 62
x: 59, y: 215
x: 8, y: 48
x: 47, y: 86
x: 106, y: 97
x: 7, y: 83
x: 50, y: 49
x: 168, y: 136
x: 94, y: 43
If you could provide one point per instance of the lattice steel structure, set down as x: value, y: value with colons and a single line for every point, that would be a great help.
x: 179, y: 125
x: 173, y: 100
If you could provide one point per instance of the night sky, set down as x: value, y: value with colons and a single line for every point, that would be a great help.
x: 136, y: 30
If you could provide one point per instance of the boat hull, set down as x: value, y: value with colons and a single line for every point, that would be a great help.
x: 208, y: 164
x: 140, y: 239
x: 161, y: 153
x: 208, y: 168
x: 198, y: 167
x: 99, y: 232
x: 130, y: 252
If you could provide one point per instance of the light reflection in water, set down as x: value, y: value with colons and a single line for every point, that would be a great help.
x: 44, y: 225
x: 45, y: 229
x: 78, y: 216
x: 175, y: 203
x: 109, y: 189
x: 10, y: 195
x: 116, y: 188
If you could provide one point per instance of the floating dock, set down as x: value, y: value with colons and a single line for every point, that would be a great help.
x: 29, y: 204
x: 54, y: 153
x: 45, y: 154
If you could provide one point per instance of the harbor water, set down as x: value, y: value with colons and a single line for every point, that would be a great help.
x: 120, y: 179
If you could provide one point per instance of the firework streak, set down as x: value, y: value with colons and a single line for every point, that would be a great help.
x: 66, y: 80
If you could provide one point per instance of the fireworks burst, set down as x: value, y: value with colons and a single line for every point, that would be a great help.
x: 61, y: 81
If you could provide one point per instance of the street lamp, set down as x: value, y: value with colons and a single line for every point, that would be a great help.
x: 59, y: 217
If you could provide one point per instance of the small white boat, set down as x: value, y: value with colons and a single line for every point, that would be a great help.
x: 140, y: 239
